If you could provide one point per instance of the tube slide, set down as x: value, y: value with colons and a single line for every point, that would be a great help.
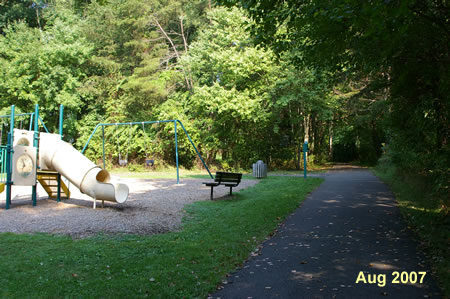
x: 58, y: 155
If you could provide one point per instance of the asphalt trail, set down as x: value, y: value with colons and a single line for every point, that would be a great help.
x: 349, y: 227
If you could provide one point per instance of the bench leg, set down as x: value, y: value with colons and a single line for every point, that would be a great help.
x: 212, y: 187
x: 231, y: 191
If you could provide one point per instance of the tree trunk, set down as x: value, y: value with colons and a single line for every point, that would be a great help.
x: 313, y: 137
x: 174, y: 50
x: 306, y: 125
x: 189, y: 75
x: 330, y: 152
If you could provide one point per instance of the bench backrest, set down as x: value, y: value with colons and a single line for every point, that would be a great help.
x: 228, y: 177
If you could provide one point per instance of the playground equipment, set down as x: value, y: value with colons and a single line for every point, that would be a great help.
x: 148, y: 162
x: 30, y: 157
x: 123, y: 162
x: 58, y: 155
x: 174, y: 121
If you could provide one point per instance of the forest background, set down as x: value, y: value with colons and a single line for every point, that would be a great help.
x: 249, y: 81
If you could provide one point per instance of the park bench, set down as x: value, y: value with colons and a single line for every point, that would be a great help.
x: 229, y: 179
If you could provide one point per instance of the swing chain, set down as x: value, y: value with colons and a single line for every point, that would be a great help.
x: 122, y: 162
x: 145, y: 141
x: 129, y: 143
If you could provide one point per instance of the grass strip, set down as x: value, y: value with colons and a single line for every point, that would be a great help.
x: 217, y: 237
x: 168, y: 174
x: 426, y: 216
x: 143, y: 173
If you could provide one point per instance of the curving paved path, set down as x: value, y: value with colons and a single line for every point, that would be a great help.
x: 349, y: 227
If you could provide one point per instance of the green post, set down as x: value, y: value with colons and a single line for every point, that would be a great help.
x: 36, y: 145
x: 9, y: 155
x: 103, y: 146
x: 195, y: 148
x: 61, y: 113
x: 9, y: 183
x: 305, y: 150
x: 176, y: 151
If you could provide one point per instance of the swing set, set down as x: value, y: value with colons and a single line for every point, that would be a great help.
x: 124, y: 162
x: 148, y: 161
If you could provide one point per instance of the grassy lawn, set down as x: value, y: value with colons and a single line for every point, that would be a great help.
x: 426, y: 217
x: 171, y: 173
x: 168, y: 173
x: 217, y: 237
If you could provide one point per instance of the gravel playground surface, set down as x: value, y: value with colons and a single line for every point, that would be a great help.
x: 153, y: 206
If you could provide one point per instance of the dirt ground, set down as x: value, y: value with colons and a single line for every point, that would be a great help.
x: 153, y: 206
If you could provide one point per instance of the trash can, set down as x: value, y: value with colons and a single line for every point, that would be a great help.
x: 260, y: 170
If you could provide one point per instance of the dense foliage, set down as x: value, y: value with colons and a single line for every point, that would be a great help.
x: 397, y: 51
x: 119, y: 61
x: 248, y: 84
x: 252, y: 80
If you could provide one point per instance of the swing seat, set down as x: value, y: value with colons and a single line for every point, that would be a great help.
x: 149, y: 162
x: 123, y: 162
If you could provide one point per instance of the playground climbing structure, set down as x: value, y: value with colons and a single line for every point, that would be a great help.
x: 30, y: 157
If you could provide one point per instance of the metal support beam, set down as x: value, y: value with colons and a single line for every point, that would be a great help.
x: 61, y: 113
x: 196, y: 150
x: 103, y: 147
x: 9, y: 154
x: 153, y: 122
x: 36, y: 145
x: 43, y: 124
x: 176, y: 150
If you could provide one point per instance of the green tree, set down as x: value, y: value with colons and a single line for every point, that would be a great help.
x: 131, y: 75
x: 29, y: 12
x: 400, y: 46
x: 123, y: 77
x: 232, y: 77
x: 303, y: 109
x: 45, y: 67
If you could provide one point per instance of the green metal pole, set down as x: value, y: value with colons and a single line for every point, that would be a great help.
x: 9, y: 155
x: 149, y: 122
x: 36, y: 145
x: 103, y: 146
x: 305, y: 150
x: 61, y: 113
x: 43, y: 124
x: 176, y: 151
x: 90, y: 137
x: 9, y: 183
x: 195, y: 148
x: 61, y: 120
